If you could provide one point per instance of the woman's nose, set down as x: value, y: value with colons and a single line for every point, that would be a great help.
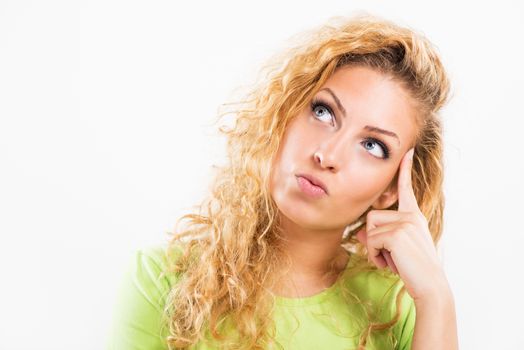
x: 331, y: 153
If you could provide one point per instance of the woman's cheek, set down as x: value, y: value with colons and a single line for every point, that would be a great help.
x: 361, y: 191
x: 364, y: 185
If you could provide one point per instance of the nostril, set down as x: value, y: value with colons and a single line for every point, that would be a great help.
x: 318, y: 157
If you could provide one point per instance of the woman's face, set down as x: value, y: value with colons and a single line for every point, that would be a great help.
x: 339, y: 145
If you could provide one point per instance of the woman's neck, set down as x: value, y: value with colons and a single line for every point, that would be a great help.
x: 317, y: 259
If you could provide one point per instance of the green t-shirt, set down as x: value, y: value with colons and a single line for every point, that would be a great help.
x: 321, y: 321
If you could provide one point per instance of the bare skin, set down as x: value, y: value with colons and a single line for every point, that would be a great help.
x: 338, y: 151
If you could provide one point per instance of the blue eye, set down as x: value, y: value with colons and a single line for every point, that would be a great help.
x: 372, y: 141
x: 320, y: 109
x: 317, y: 105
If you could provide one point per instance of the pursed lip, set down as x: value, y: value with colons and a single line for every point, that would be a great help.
x: 315, y: 181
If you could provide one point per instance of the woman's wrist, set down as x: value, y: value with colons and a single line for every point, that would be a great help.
x: 440, y: 294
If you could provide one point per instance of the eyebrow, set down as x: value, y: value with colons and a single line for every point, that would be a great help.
x: 367, y: 127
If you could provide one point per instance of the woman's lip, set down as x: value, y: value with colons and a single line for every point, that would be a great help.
x: 314, y: 181
x: 308, y: 188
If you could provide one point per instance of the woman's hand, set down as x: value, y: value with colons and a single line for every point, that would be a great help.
x: 401, y: 240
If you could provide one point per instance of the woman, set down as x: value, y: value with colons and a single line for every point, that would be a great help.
x: 320, y: 233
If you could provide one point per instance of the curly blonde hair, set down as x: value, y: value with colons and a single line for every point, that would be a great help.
x: 229, y: 252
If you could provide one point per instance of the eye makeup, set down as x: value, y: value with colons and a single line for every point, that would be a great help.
x: 319, y: 102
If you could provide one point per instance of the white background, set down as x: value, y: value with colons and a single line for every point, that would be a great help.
x: 106, y: 138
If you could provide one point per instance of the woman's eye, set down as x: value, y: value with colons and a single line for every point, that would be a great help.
x: 371, y: 144
x: 320, y: 110
x: 376, y: 148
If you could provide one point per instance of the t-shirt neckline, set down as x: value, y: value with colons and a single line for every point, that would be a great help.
x: 315, y: 298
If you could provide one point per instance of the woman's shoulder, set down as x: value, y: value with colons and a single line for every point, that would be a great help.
x: 380, y: 287
x: 380, y: 290
x: 141, y: 299
x: 151, y: 263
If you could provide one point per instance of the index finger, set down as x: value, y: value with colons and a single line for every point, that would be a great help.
x: 406, y: 196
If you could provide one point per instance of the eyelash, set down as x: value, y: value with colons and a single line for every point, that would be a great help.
x: 316, y: 102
